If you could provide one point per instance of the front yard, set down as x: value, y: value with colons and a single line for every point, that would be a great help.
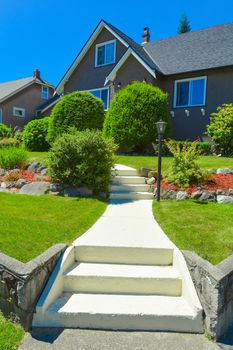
x: 10, y: 334
x: 32, y: 224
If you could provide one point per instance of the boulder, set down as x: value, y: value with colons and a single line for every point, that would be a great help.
x: 55, y: 187
x: 44, y: 171
x: 230, y: 192
x: 78, y: 191
x: 35, y: 188
x: 212, y: 171
x: 8, y: 184
x: 208, y: 196
x: 225, y: 199
x: 151, y: 181
x: 220, y: 193
x: 169, y: 194
x: 152, y: 173
x: 225, y: 171
x: 182, y: 195
x: 144, y: 172
x: 2, y: 172
x: 33, y: 167
x: 197, y: 194
x: 20, y: 183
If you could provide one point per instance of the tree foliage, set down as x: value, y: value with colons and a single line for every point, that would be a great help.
x: 184, y: 25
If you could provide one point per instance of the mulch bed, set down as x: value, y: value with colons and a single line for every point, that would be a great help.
x: 216, y: 182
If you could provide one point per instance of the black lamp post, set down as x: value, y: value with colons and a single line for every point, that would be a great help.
x: 161, y: 126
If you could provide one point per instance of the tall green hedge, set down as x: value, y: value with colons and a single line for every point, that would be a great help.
x: 79, y: 110
x: 133, y: 113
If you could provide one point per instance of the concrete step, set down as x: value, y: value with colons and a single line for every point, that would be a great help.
x: 120, y: 312
x: 125, y: 170
x: 128, y: 180
x: 129, y: 188
x: 124, y: 255
x: 123, y: 279
x: 131, y: 195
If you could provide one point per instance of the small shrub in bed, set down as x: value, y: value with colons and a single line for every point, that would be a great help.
x: 35, y: 133
x: 13, y: 157
x: 5, y: 131
x: 82, y: 158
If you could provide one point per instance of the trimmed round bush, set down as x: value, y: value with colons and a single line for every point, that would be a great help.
x: 5, y: 131
x: 79, y: 110
x: 35, y: 133
x: 221, y: 128
x: 133, y: 113
x: 82, y: 158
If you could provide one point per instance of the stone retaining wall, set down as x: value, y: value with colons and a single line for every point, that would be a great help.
x: 21, y: 284
x: 214, y: 285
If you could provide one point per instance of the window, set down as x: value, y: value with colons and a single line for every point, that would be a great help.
x: 103, y: 94
x: 45, y: 92
x: 18, y: 112
x: 105, y: 53
x: 190, y: 92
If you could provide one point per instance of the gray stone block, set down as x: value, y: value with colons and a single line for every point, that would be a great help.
x: 35, y: 188
x: 225, y: 199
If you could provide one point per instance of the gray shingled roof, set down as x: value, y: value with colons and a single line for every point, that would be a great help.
x: 207, y: 48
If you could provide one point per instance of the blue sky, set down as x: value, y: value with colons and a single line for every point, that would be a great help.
x: 48, y: 34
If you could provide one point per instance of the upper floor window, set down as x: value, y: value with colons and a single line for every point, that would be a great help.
x: 103, y: 94
x: 190, y: 92
x: 18, y: 112
x: 105, y: 53
x: 44, y: 92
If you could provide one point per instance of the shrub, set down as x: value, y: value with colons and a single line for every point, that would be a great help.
x: 35, y: 133
x: 221, y: 128
x: 12, y: 176
x: 80, y: 110
x: 82, y: 158
x: 184, y: 170
x: 12, y: 157
x: 133, y: 113
x: 9, y: 142
x: 202, y: 147
x: 5, y: 131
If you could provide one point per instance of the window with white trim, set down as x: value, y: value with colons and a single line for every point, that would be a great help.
x: 190, y: 92
x: 105, y: 53
x: 19, y: 112
x: 44, y: 92
x: 103, y: 94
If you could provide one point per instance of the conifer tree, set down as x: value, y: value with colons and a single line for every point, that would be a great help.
x: 184, y: 25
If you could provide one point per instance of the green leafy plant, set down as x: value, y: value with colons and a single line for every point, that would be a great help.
x: 35, y: 133
x: 13, y: 157
x: 221, y: 128
x: 133, y: 113
x: 82, y: 158
x: 80, y: 110
x: 5, y: 131
x: 184, y: 169
x: 9, y: 142
x: 203, y: 148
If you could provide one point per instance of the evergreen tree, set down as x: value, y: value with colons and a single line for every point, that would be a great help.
x: 184, y: 25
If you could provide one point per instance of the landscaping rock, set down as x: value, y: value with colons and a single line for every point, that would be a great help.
x: 8, y: 184
x: 230, y: 192
x: 208, y: 196
x: 212, y: 171
x: 77, y: 191
x: 225, y: 171
x: 151, y: 181
x: 225, y: 199
x: 15, y: 171
x: 44, y: 171
x: 197, y: 194
x: 2, y: 190
x: 35, y: 188
x: 20, y: 183
x: 220, y: 193
x: 169, y: 194
x: 144, y: 172
x: 40, y: 178
x: 55, y: 187
x: 181, y: 195
x: 153, y: 173
x: 33, y: 167
x: 2, y: 172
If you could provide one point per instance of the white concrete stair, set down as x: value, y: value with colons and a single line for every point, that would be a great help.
x: 128, y: 185
x: 123, y: 279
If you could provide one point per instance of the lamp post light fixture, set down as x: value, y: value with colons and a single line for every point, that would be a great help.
x: 161, y: 126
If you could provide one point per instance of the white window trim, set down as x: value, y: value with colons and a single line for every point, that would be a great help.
x: 47, y: 89
x: 96, y: 53
x: 102, y: 88
x: 189, y: 79
x: 19, y: 109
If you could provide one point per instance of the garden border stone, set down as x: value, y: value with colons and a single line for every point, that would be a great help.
x: 22, y: 283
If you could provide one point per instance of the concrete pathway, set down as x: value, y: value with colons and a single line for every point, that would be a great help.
x: 77, y: 339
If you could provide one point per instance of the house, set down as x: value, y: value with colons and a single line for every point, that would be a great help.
x: 195, y: 69
x: 20, y: 98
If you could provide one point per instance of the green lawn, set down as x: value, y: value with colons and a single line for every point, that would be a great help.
x: 32, y: 224
x: 10, y: 334
x: 38, y: 157
x: 206, y: 229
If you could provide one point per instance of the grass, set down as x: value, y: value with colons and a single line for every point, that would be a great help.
x: 10, y: 334
x: 32, y: 224
x: 206, y: 162
x: 38, y: 157
x: 206, y: 229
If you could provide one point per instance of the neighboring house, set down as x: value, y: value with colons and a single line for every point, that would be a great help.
x: 20, y: 98
x: 195, y: 68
